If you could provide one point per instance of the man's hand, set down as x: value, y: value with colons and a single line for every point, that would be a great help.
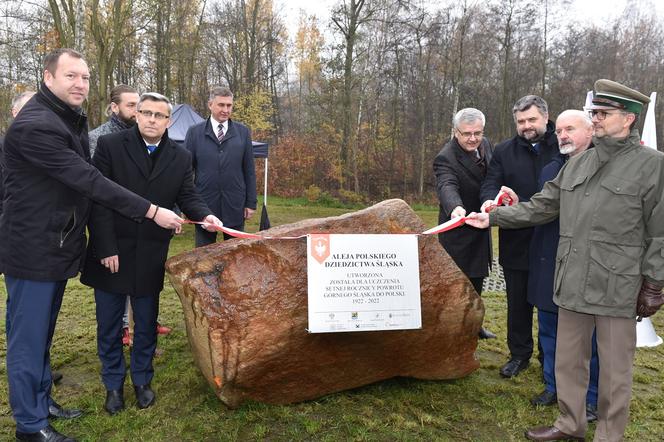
x: 211, y: 223
x: 478, y: 220
x: 164, y: 217
x: 112, y: 263
x: 248, y: 213
x: 511, y: 195
x: 457, y: 212
x: 650, y: 299
x: 485, y: 204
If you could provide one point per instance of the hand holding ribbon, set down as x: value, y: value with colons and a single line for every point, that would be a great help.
x: 506, y: 197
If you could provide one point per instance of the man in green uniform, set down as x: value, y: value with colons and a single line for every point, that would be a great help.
x: 609, y: 263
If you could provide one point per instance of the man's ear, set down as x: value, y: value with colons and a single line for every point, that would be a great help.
x: 630, y: 119
x: 48, y: 78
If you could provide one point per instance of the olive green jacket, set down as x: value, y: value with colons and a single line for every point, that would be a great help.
x: 610, y: 201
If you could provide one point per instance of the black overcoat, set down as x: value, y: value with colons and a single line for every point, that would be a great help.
x: 517, y: 165
x: 142, y: 248
x: 543, y: 248
x: 458, y: 181
x: 49, y: 184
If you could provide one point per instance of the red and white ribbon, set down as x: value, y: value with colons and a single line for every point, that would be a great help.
x: 501, y: 198
x: 239, y: 234
x: 448, y: 225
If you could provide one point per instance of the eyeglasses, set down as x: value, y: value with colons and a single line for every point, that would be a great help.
x: 468, y: 135
x: 150, y: 114
x: 601, y: 115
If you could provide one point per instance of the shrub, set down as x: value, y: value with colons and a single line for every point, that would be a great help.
x: 312, y: 193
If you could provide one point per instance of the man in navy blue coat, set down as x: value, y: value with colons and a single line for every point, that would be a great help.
x: 574, y: 130
x: 223, y: 160
x: 517, y: 163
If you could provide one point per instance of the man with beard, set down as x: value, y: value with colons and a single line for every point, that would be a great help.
x: 517, y: 163
x: 460, y: 168
x: 609, y: 261
x: 575, y: 131
x: 121, y: 111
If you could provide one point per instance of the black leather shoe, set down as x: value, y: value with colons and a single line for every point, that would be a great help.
x: 55, y: 411
x: 56, y: 377
x: 549, y: 433
x: 545, y: 398
x: 591, y: 412
x: 513, y: 367
x: 48, y: 434
x: 144, y: 395
x: 486, y: 334
x: 114, y: 401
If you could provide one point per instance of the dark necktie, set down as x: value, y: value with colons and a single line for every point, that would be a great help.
x: 151, y: 148
x: 220, y: 134
x: 479, y: 160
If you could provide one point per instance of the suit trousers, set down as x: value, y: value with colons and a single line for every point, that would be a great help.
x: 519, y: 314
x: 204, y: 238
x: 477, y: 283
x: 109, y: 308
x: 32, y: 311
x: 616, y: 344
x: 548, y: 329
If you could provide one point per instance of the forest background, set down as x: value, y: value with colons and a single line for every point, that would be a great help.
x: 354, y: 106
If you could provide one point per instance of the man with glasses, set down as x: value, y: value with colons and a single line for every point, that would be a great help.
x: 460, y: 168
x: 128, y: 259
x: 609, y: 264
x: 517, y: 163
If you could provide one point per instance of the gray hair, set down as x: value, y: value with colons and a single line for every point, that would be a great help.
x: 153, y: 96
x: 220, y: 91
x: 577, y: 113
x: 525, y: 103
x: 467, y: 116
x: 19, y: 101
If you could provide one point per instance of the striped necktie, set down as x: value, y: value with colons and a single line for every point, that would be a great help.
x: 220, y: 134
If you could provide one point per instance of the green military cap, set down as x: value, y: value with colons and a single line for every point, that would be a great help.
x: 612, y: 95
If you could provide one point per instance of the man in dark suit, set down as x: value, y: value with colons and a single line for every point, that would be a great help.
x: 223, y: 160
x: 574, y: 130
x: 17, y: 103
x: 124, y: 258
x: 517, y: 163
x: 460, y: 168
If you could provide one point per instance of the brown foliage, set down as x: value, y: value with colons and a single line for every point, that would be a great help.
x: 298, y: 162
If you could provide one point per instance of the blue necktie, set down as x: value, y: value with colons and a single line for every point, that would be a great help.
x: 151, y: 148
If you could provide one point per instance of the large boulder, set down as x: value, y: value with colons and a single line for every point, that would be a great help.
x: 245, y: 308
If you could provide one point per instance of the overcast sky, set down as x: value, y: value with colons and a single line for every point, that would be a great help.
x: 596, y: 11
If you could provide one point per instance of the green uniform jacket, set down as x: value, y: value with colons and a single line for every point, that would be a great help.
x: 610, y: 203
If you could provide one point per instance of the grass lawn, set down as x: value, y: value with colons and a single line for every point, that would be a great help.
x: 480, y: 407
